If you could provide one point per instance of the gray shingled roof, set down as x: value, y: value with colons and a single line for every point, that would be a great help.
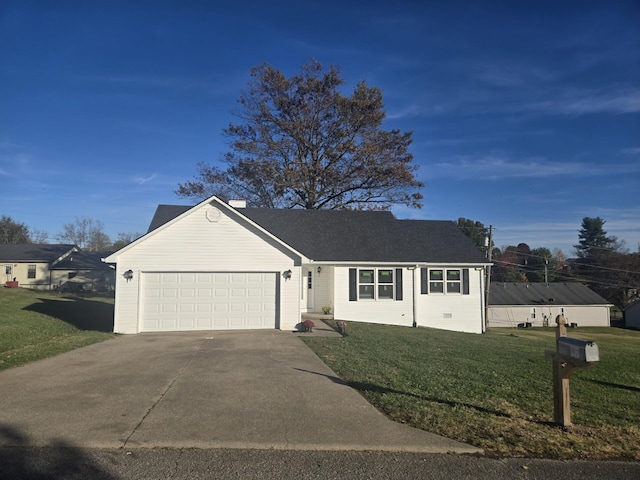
x: 348, y: 235
x: 165, y: 213
x: 554, y: 293
x: 84, y: 261
x: 27, y: 252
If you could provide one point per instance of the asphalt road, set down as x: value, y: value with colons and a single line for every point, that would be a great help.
x: 71, y: 463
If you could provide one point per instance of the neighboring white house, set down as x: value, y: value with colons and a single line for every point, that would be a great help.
x: 632, y: 315
x: 538, y: 304
x: 213, y: 266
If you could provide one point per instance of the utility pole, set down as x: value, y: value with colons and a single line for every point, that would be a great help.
x: 546, y: 277
x: 489, y: 241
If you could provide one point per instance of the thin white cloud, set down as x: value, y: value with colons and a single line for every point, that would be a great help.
x: 16, y: 165
x: 499, y: 166
x: 623, y: 223
x: 511, y: 74
x: 631, y: 151
x: 214, y: 85
x: 593, y: 101
x: 520, y: 102
x: 7, y: 144
x: 140, y: 180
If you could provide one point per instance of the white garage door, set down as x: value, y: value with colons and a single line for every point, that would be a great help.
x: 208, y: 301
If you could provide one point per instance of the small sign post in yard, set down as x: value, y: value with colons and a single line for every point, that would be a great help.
x: 570, y: 355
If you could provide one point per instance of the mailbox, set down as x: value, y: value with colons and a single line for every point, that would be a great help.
x: 581, y: 350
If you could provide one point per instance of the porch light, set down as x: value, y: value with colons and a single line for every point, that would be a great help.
x: 319, y: 269
x: 128, y: 275
x: 287, y: 274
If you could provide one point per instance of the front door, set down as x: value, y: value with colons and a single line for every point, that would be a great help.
x: 8, y: 271
x: 307, y: 289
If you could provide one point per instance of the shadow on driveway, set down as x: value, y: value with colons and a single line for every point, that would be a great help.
x: 82, y: 313
x: 60, y: 461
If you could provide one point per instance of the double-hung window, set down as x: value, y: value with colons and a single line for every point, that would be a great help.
x: 366, y: 284
x: 453, y: 281
x: 385, y: 284
x: 444, y: 281
x: 31, y: 271
x: 377, y: 284
x: 436, y: 281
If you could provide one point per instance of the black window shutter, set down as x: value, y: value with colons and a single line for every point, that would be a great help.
x: 398, y: 284
x: 465, y: 281
x: 353, y: 284
x: 424, y: 285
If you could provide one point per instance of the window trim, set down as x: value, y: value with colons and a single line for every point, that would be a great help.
x: 375, y: 283
x: 392, y: 283
x: 431, y: 284
x: 454, y: 285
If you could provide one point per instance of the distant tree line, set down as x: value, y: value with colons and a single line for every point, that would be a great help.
x: 601, y: 261
x: 86, y: 233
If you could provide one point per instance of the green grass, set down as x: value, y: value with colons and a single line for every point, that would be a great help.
x: 495, y: 390
x: 36, y: 324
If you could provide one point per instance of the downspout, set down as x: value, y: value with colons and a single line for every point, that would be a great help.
x: 485, y: 310
x: 414, y: 296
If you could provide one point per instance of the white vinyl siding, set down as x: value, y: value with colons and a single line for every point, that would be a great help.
x: 458, y: 312
x: 396, y: 312
x: 194, y: 243
x: 453, y: 310
x: 583, y: 315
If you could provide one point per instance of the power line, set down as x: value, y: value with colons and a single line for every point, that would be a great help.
x: 571, y: 263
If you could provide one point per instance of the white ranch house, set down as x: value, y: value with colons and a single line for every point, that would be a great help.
x: 214, y: 266
x: 54, y: 267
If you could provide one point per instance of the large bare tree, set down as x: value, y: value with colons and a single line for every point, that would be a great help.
x: 302, y: 144
x: 86, y: 233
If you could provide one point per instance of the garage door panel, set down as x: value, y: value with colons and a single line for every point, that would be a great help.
x: 187, y: 308
x: 204, y: 307
x: 208, y: 301
x: 168, y: 324
x: 168, y: 308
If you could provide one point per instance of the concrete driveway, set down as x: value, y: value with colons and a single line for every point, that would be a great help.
x: 263, y: 390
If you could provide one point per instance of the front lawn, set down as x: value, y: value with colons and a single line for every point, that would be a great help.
x: 494, y: 391
x: 37, y: 324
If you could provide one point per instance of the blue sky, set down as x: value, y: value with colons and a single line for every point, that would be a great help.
x: 525, y: 117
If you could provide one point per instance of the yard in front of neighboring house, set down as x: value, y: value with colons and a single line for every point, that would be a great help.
x: 495, y: 390
x: 39, y: 324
